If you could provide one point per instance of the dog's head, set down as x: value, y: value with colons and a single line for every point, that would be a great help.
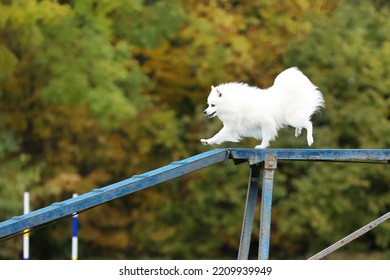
x: 212, y: 102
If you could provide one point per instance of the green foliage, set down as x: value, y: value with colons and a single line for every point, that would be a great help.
x: 159, y: 19
x: 85, y: 66
x: 8, y: 62
x: 16, y: 178
x: 89, y: 62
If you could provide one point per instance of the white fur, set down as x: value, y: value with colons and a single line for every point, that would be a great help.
x: 247, y: 111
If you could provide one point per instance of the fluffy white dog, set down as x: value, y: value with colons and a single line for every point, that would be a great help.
x: 247, y: 111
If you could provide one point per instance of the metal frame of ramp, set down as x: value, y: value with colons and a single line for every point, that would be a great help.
x: 270, y: 158
x: 256, y: 158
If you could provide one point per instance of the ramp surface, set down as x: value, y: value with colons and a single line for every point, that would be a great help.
x: 58, y: 210
x: 17, y: 225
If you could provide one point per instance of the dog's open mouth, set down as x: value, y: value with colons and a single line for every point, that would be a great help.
x: 212, y: 115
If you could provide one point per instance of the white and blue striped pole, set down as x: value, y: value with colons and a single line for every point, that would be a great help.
x: 75, y: 234
x: 26, y: 235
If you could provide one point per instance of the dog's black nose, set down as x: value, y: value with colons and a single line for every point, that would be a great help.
x: 204, y: 112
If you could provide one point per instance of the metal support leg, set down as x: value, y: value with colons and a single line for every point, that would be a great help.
x: 351, y: 237
x: 249, y: 214
x: 266, y: 206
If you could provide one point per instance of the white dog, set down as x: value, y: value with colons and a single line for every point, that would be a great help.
x: 247, y: 111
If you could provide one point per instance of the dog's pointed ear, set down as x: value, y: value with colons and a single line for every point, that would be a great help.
x: 219, y: 93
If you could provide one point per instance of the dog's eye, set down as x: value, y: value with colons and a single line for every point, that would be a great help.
x: 212, y: 105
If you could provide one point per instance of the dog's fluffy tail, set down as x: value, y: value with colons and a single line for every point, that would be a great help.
x: 294, y: 84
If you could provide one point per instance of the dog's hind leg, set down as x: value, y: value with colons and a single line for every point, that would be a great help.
x: 309, y: 128
x: 298, y: 131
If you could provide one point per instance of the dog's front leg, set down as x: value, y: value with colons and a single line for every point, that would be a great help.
x: 222, y: 136
x: 269, y: 133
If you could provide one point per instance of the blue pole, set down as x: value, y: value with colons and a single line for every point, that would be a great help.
x: 75, y: 234
x: 26, y: 234
x: 266, y: 206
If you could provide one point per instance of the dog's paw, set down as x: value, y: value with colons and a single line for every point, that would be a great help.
x: 260, y: 147
x: 310, y: 140
x: 298, y: 131
x: 204, y: 141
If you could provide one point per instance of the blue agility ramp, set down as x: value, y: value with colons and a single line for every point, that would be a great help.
x: 257, y: 159
x: 102, y: 195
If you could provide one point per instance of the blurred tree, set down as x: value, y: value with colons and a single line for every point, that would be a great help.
x: 223, y: 41
x: 70, y: 90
